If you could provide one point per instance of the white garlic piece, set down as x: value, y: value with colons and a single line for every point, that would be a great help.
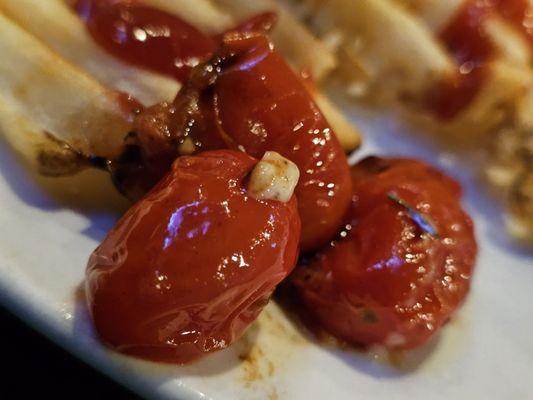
x: 273, y: 178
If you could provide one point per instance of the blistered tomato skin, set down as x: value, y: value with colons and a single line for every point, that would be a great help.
x: 262, y: 105
x: 191, y: 265
x: 387, y: 281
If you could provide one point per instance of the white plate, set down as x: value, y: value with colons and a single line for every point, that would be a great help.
x: 486, y: 352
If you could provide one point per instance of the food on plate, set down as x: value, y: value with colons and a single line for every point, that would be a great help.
x: 46, y: 103
x: 54, y: 39
x: 245, y: 98
x: 192, y: 264
x: 402, y: 265
x: 57, y: 26
x: 260, y: 105
x: 208, y: 116
x: 461, y: 68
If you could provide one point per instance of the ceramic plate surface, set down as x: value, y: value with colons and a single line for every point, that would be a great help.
x: 49, y: 228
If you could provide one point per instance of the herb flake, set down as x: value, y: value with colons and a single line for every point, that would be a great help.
x: 418, y: 218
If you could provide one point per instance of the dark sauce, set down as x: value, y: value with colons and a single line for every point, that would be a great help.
x: 153, y: 39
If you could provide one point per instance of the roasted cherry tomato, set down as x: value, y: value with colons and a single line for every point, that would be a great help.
x: 261, y: 105
x: 248, y: 98
x: 191, y: 265
x: 402, y: 265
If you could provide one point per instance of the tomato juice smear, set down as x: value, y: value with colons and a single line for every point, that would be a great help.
x: 471, y: 48
x: 154, y: 39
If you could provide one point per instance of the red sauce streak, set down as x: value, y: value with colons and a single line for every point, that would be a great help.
x: 145, y: 36
x: 471, y: 48
x: 153, y: 39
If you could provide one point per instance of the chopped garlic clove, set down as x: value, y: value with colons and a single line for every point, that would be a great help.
x: 273, y: 178
x: 187, y: 147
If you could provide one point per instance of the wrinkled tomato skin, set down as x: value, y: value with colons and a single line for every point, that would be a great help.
x: 261, y: 106
x: 388, y: 282
x: 191, y: 265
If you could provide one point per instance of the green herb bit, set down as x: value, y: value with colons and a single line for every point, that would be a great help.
x: 422, y: 221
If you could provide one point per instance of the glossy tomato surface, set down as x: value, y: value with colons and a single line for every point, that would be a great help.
x: 190, y: 266
x: 395, y: 275
x: 248, y: 98
x: 262, y: 105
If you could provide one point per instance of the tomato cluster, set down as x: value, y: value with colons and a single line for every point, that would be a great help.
x: 195, y: 260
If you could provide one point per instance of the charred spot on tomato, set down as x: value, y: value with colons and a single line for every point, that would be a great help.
x: 373, y: 164
x: 368, y: 316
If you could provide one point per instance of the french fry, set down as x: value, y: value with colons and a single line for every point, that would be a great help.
x: 434, y: 13
x: 53, y: 22
x: 394, y: 52
x: 48, y: 97
x: 300, y: 48
x: 348, y: 135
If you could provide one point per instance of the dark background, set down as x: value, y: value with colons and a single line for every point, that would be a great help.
x: 33, y: 365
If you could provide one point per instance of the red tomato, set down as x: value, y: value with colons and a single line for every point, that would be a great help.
x: 191, y: 265
x: 262, y: 105
x: 248, y: 98
x: 387, y: 280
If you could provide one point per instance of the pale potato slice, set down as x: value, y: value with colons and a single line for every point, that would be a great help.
x: 387, y: 46
x: 504, y: 84
x: 347, y: 133
x: 56, y: 24
x: 203, y: 14
x: 510, y: 45
x: 299, y: 47
x: 435, y: 13
x: 55, y: 97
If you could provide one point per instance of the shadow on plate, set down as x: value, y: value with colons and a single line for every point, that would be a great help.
x: 374, y: 362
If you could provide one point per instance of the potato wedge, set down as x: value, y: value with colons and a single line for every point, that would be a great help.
x: 300, y: 48
x: 394, y: 52
x: 54, y: 23
x: 434, y: 13
x: 50, y: 95
x: 347, y: 133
